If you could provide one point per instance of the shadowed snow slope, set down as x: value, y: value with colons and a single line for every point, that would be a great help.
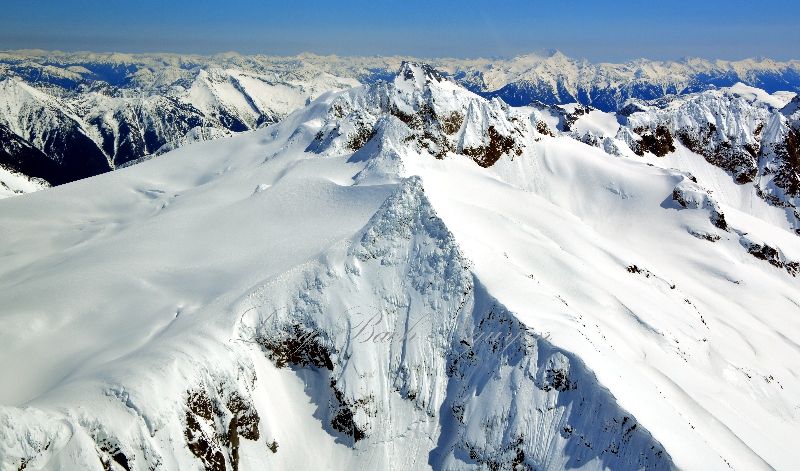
x: 403, y: 275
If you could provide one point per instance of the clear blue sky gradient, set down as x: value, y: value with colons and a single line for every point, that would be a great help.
x: 615, y: 30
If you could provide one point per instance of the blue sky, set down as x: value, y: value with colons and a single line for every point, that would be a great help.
x: 599, y: 31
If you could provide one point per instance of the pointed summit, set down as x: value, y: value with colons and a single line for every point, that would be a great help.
x: 792, y: 106
x: 418, y: 73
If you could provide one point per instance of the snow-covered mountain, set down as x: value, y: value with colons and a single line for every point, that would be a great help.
x: 748, y: 137
x: 552, y: 78
x: 548, y: 76
x: 16, y: 153
x: 91, y: 112
x: 405, y: 275
x: 94, y: 127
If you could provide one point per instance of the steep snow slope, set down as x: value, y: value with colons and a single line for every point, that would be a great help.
x: 401, y: 275
x: 52, y: 128
x: 13, y: 183
x: 17, y: 159
x: 242, y: 101
x: 738, y: 143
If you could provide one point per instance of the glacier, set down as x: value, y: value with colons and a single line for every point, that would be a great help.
x: 406, y: 274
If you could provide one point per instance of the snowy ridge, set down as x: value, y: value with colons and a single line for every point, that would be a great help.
x: 435, y: 338
x: 554, y: 78
x: 431, y: 344
x: 136, y: 106
x: 548, y: 76
x: 575, y: 308
x: 739, y: 131
x: 95, y: 127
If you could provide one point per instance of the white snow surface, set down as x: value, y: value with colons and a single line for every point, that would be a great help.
x: 123, y: 294
x: 776, y: 100
x: 13, y: 183
x: 597, y: 122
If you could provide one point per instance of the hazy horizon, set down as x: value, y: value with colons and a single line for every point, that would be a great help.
x: 539, y: 52
x: 613, y: 31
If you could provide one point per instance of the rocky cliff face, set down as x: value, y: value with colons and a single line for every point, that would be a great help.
x: 425, y: 112
x: 721, y: 126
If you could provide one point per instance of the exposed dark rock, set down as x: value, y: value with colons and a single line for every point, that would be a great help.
x: 298, y: 345
x: 722, y: 151
x: 498, y: 145
x: 206, y: 448
x: 273, y: 447
x: 342, y: 420
x: 640, y: 271
x: 718, y: 220
x: 541, y: 128
x: 214, y: 426
x: 788, y: 175
x: 302, y: 346
x: 570, y: 118
x: 111, y: 452
x: 688, y: 198
x: 658, y: 142
x: 451, y: 124
x: 771, y: 255
x: 705, y: 235
x: 429, y: 73
x: 245, y: 415
x: 360, y: 137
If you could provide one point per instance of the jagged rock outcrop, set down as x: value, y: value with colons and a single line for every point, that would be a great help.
x: 434, y: 115
x: 688, y: 194
x: 724, y: 128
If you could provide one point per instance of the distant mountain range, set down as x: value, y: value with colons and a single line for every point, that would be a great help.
x: 67, y: 116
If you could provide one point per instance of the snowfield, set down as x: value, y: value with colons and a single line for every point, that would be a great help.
x: 406, y: 275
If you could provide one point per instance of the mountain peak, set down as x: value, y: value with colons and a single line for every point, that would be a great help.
x: 541, y: 54
x: 418, y: 73
x: 548, y: 53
